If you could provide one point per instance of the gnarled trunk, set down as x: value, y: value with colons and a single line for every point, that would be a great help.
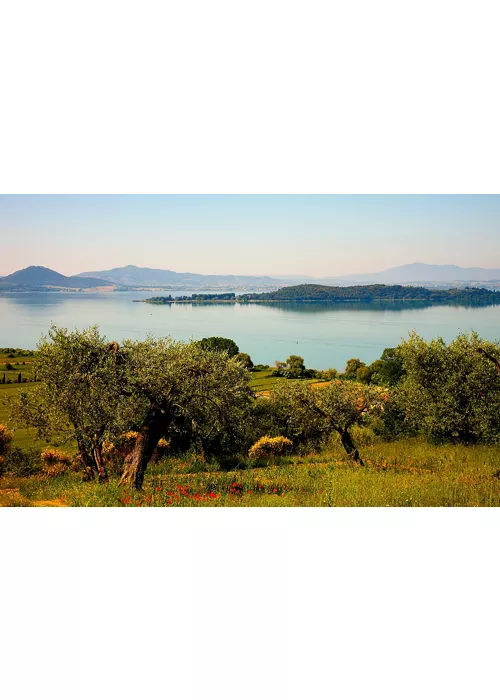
x: 87, y: 461
x: 99, y: 462
x: 349, y: 446
x: 137, y: 461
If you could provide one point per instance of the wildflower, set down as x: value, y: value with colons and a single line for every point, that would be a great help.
x: 158, y: 488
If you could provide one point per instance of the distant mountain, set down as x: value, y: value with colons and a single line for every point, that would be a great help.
x: 134, y: 276
x: 420, y: 273
x: 36, y: 276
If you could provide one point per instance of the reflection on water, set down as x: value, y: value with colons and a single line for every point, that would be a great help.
x: 321, y: 307
x: 325, y: 335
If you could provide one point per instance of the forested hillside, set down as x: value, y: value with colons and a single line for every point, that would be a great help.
x: 374, y: 292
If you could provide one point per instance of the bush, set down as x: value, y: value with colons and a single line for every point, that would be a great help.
x: 5, y: 440
x: 160, y: 450
x: 54, y: 462
x: 363, y: 435
x: 270, y: 447
x: 22, y: 461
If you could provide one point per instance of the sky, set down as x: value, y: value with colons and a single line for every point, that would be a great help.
x: 317, y: 235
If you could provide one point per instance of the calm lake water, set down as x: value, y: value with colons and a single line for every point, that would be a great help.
x: 326, y: 336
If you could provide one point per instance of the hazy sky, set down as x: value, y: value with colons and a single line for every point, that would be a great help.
x: 248, y: 234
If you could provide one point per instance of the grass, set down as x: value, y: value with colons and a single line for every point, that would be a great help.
x: 19, y: 363
x: 402, y: 473
x: 262, y: 380
x: 22, y: 436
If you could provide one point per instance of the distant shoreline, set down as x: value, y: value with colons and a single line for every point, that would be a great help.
x: 330, y: 302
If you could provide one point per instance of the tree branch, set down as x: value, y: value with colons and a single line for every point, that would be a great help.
x: 489, y: 357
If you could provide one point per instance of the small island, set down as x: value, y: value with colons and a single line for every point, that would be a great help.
x: 322, y: 294
x: 193, y: 299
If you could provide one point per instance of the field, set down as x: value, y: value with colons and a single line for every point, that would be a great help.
x: 262, y: 380
x: 22, y: 437
x: 401, y: 473
x: 13, y: 364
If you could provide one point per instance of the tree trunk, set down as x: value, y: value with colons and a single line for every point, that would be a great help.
x: 101, y: 469
x: 137, y: 461
x: 87, y: 461
x: 349, y: 446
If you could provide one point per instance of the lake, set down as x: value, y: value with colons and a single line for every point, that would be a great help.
x: 326, y: 336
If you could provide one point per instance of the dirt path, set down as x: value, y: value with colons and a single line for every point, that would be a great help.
x: 13, y: 497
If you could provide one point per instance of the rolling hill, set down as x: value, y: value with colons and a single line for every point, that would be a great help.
x: 134, y: 276
x: 36, y: 276
x: 419, y: 273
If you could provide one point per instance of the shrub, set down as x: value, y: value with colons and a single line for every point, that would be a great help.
x: 22, y: 461
x: 5, y: 439
x: 363, y: 435
x: 160, y: 450
x: 270, y: 447
x: 54, y: 462
x: 122, y: 446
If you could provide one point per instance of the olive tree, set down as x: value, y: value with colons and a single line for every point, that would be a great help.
x: 451, y: 392
x: 305, y: 412
x: 345, y: 404
x: 289, y: 414
x: 184, y: 388
x: 82, y: 380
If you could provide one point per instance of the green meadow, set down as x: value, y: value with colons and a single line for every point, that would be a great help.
x: 402, y: 473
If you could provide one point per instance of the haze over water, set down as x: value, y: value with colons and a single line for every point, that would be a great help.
x: 326, y: 336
